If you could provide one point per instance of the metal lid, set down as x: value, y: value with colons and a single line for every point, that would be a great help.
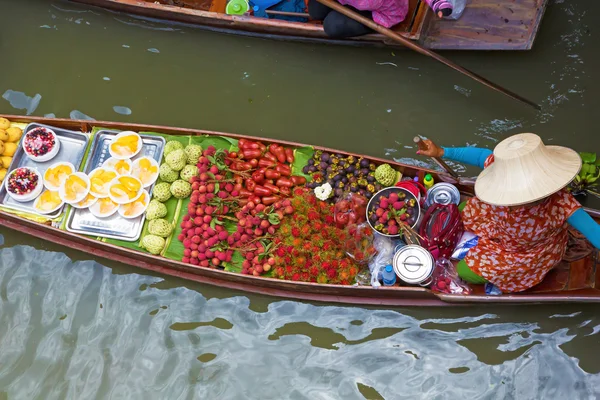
x: 413, y: 264
x: 443, y: 193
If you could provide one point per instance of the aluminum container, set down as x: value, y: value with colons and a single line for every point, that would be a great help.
x: 414, y: 265
x: 443, y: 193
x: 113, y: 227
x: 72, y: 149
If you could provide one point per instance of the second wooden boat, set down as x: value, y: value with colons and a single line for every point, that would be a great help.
x: 575, y: 280
x: 485, y: 24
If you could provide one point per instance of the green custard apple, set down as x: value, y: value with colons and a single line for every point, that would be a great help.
x: 188, y: 172
x: 160, y: 227
x: 181, y: 189
x: 154, y: 244
x: 177, y: 159
x: 193, y: 152
x: 171, y: 146
x: 167, y: 174
x: 162, y: 192
x: 156, y: 210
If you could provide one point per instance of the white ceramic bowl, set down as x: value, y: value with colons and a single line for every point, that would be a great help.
x: 125, y: 133
x: 82, y: 195
x: 29, y: 196
x: 95, y: 209
x: 87, y: 204
x: 107, y: 185
x: 145, y: 197
x: 110, y: 164
x: 35, y: 203
x: 48, y: 156
x: 135, y: 170
x: 121, y: 201
x: 49, y: 185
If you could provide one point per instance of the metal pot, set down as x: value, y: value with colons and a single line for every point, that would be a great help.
x: 414, y: 265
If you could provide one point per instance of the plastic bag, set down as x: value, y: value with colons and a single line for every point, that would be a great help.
x: 385, y: 253
x: 351, y: 208
x: 467, y: 241
x: 458, y: 7
x: 445, y: 279
x: 359, y: 244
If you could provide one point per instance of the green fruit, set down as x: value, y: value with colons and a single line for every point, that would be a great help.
x: 162, y: 191
x: 171, y: 146
x: 188, y: 172
x: 156, y: 210
x: 176, y: 160
x: 386, y: 175
x: 160, y: 227
x: 154, y: 244
x: 167, y: 174
x: 193, y: 152
x: 181, y: 189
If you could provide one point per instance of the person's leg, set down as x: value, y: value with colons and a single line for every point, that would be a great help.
x: 317, y: 11
x: 465, y: 273
x: 339, y: 26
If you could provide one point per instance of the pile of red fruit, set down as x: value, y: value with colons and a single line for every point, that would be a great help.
x: 39, y: 141
x: 265, y: 172
x: 387, y: 214
x: 22, y: 181
x: 220, y: 221
x: 351, y: 209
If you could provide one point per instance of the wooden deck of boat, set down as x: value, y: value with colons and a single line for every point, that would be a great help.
x: 485, y: 24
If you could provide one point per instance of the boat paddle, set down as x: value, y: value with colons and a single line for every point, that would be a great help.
x: 413, y: 46
x: 438, y: 160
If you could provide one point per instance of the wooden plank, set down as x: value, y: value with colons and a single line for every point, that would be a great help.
x: 488, y: 25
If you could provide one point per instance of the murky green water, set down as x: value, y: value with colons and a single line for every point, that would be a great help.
x: 72, y: 327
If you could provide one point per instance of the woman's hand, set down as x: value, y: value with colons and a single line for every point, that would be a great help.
x: 430, y: 149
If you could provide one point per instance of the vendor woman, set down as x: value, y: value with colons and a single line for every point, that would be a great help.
x: 522, y: 210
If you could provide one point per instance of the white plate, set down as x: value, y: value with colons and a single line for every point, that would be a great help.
x: 89, y: 204
x: 61, y: 190
x: 48, y: 156
x: 117, y: 180
x: 120, y: 135
x: 106, y: 185
x: 146, y: 198
x: 110, y: 164
x: 47, y: 211
x: 95, y: 209
x: 47, y: 184
x: 31, y: 195
x: 135, y: 170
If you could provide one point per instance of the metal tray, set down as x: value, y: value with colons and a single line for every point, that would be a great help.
x: 115, y: 226
x: 72, y: 149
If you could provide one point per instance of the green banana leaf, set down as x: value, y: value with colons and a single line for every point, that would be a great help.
x: 301, y: 157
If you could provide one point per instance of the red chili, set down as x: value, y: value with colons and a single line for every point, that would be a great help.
x: 289, y: 155
x: 283, y: 169
x: 258, y: 176
x: 241, y: 143
x: 262, y: 147
x: 268, y: 200
x: 285, y: 182
x: 266, y: 163
x: 238, y: 179
x: 298, y: 180
x: 285, y: 191
x: 250, y: 185
x: 278, y: 151
x: 251, y: 145
x: 270, y: 156
x: 271, y: 174
x: 245, y: 193
x: 261, y: 191
x: 253, y: 163
x: 271, y: 187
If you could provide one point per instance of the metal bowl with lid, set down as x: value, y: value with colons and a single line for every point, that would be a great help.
x: 386, y: 192
x: 414, y: 265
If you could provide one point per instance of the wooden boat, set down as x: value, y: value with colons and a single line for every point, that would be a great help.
x: 485, y: 24
x: 576, y: 280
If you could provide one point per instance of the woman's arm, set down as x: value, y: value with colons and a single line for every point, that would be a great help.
x: 585, y: 224
x: 468, y: 155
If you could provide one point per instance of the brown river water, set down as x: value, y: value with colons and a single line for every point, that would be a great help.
x: 73, y: 327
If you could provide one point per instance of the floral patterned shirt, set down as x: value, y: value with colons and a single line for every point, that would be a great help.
x: 518, y: 247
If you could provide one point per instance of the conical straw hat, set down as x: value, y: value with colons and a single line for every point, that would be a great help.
x: 525, y: 170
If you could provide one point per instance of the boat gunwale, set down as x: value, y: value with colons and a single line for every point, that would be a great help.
x: 360, y: 295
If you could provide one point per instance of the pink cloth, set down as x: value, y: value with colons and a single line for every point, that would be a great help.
x: 385, y: 12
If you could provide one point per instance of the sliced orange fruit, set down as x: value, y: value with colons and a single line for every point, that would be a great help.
x: 125, y: 189
x: 136, y: 207
x: 56, y: 175
x: 125, y: 146
x: 146, y: 170
x: 48, y: 201
x: 100, y: 180
x: 74, y: 188
x: 104, y: 207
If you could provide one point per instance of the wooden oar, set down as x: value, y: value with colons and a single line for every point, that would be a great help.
x: 438, y: 160
x: 413, y: 46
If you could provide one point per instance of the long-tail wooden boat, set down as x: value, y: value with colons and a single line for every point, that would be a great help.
x: 575, y: 280
x: 485, y: 24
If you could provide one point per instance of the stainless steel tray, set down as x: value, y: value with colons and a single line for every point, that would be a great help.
x: 72, y: 149
x: 115, y: 226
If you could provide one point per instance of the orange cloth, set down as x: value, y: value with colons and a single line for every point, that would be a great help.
x: 518, y: 247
